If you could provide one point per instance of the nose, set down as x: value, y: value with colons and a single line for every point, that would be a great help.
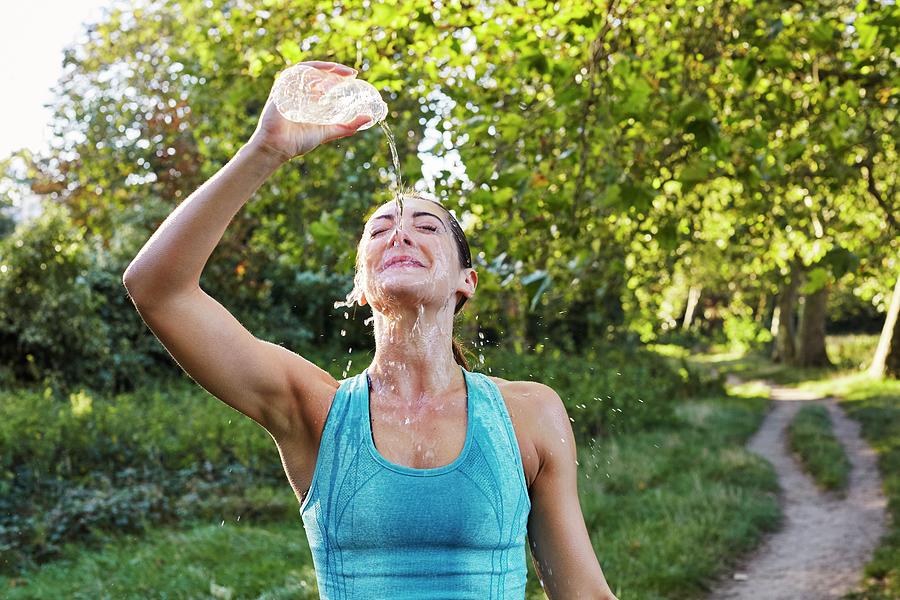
x: 399, y: 236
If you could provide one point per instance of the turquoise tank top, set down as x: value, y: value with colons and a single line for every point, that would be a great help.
x: 380, y: 530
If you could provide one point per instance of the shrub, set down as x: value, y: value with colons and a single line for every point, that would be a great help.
x: 744, y: 334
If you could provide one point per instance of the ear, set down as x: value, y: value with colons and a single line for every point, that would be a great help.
x: 468, y: 283
x: 362, y: 299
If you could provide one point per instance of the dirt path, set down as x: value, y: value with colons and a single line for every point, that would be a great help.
x: 820, y: 551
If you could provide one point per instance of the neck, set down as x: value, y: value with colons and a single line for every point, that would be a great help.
x: 413, y: 354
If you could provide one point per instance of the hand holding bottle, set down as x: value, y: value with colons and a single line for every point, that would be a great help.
x: 307, y: 91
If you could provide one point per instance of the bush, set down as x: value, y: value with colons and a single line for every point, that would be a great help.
x: 175, y: 425
x: 851, y: 351
x: 607, y: 390
x: 81, y: 463
x: 49, y: 316
x: 35, y: 524
x: 744, y: 334
x: 65, y: 317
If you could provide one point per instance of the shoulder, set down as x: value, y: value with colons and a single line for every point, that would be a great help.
x: 540, y: 410
x: 534, y: 396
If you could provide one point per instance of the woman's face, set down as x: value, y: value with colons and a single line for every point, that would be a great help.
x: 414, y: 265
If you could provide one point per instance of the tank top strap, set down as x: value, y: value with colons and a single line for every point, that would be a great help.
x: 493, y: 415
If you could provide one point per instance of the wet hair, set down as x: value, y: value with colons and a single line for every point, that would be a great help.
x: 465, y: 262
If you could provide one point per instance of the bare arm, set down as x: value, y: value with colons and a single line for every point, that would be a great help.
x: 260, y: 379
x: 560, y: 545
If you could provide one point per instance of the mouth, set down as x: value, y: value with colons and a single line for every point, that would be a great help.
x: 402, y: 261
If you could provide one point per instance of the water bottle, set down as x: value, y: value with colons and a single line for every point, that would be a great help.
x: 305, y: 94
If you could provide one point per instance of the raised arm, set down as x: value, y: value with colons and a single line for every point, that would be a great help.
x: 264, y: 381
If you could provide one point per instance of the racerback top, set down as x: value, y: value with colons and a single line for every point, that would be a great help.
x: 380, y: 530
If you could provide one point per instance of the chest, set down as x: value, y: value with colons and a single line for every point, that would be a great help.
x: 425, y: 437
x: 416, y: 436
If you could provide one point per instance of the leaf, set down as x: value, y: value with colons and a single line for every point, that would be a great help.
x: 822, y: 34
x: 536, y: 284
x: 502, y: 196
x: 694, y: 172
x: 291, y: 51
x: 538, y: 62
x: 867, y: 34
x: 705, y: 131
x: 635, y: 193
x: 691, y: 108
x: 841, y: 261
x: 815, y: 279
x: 638, y: 96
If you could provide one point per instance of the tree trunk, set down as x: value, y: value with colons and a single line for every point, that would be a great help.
x: 784, y: 350
x: 887, y: 354
x: 692, y: 300
x: 811, y: 337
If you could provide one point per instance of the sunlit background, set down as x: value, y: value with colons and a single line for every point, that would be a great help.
x: 32, y: 38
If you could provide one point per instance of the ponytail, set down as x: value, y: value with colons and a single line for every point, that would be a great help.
x: 459, y: 356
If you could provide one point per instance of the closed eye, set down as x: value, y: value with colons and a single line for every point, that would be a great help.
x: 428, y: 227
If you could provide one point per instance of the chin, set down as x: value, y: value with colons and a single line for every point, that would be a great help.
x: 401, y: 297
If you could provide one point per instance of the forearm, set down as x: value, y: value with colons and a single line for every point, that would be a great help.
x: 174, y: 257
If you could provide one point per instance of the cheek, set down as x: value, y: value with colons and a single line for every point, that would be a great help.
x: 442, y: 258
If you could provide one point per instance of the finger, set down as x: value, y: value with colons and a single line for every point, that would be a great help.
x: 331, y: 67
x: 359, y: 122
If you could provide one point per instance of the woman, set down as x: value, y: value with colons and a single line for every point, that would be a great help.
x: 417, y: 478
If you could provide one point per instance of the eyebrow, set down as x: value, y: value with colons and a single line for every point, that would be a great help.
x: 418, y: 213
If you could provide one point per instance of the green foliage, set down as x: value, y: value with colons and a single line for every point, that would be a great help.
x: 65, y: 317
x: 69, y: 461
x: 611, y: 153
x: 69, y: 464
x: 852, y: 352
x: 744, y: 333
x: 606, y: 390
x: 175, y: 425
x: 231, y: 559
x: 50, y: 318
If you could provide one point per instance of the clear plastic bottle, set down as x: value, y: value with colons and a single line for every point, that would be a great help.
x: 305, y: 94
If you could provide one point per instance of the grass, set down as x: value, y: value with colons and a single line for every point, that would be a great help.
x: 210, y: 560
x: 811, y: 438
